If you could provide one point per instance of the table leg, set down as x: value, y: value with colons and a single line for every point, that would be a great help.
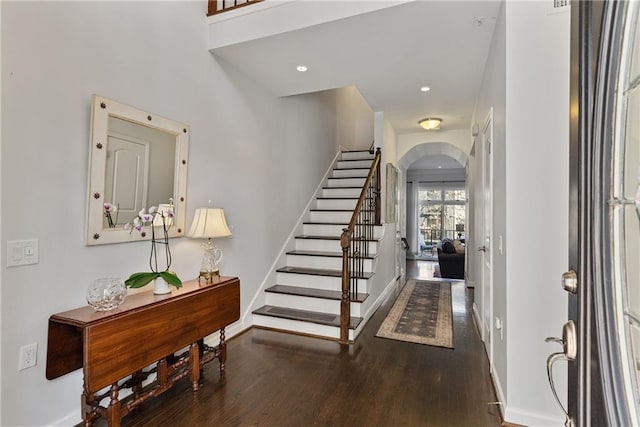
x: 87, y: 409
x: 113, y: 410
x: 223, y: 352
x: 194, y: 363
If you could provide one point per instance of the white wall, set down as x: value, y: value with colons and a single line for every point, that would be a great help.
x: 257, y: 156
x: 537, y: 189
x: 354, y: 120
x: 492, y: 95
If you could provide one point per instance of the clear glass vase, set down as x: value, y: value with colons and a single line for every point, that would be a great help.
x: 106, y: 294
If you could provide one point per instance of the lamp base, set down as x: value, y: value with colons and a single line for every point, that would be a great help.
x: 209, y: 276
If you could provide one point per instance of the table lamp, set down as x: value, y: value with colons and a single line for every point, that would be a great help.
x: 209, y: 223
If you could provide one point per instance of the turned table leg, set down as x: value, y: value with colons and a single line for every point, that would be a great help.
x: 113, y: 410
x: 87, y: 409
x: 223, y: 352
x: 194, y: 363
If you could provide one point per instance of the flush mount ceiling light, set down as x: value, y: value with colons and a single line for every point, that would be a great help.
x: 430, y: 123
x: 425, y: 89
x: 302, y: 68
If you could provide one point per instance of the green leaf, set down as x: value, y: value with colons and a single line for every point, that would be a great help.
x: 171, y: 278
x: 138, y: 280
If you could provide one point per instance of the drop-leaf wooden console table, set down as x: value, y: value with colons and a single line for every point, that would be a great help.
x: 113, y: 348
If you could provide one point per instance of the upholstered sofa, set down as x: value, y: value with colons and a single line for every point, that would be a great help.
x: 451, y: 261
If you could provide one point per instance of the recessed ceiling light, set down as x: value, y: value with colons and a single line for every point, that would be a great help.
x: 302, y: 68
x: 425, y: 88
x: 439, y: 166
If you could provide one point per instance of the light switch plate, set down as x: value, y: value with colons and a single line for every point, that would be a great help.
x: 22, y: 252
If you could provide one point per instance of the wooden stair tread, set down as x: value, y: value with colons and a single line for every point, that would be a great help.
x: 353, y: 169
x: 339, y: 210
x: 306, y: 316
x: 341, y: 188
x: 319, y: 272
x: 312, y: 292
x: 306, y: 236
x: 333, y: 223
x: 337, y: 198
x: 321, y: 253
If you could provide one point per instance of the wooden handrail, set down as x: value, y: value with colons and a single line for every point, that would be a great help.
x: 355, y: 242
x: 213, y: 5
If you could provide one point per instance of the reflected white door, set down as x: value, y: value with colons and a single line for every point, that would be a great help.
x: 127, y: 163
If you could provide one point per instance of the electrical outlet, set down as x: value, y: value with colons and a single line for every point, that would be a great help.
x: 28, y: 356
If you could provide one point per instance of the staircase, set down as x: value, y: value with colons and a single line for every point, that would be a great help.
x: 306, y: 296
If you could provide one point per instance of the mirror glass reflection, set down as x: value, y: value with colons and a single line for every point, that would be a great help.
x: 139, y: 169
x: 138, y: 160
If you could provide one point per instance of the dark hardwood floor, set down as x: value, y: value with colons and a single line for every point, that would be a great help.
x: 278, y: 379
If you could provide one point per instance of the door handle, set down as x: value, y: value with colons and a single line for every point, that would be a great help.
x: 405, y: 244
x: 569, y: 342
x: 482, y: 248
x: 570, y: 282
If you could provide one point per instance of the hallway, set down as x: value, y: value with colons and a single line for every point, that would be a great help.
x: 277, y: 379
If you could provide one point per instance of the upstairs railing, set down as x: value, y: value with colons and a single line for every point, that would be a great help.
x: 356, y: 240
x: 219, y: 6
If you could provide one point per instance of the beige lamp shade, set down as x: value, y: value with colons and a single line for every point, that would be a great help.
x: 209, y: 223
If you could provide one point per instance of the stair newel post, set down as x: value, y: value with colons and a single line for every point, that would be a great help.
x: 345, y: 309
x: 377, y: 189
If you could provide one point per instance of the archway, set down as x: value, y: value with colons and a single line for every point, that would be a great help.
x: 410, y: 224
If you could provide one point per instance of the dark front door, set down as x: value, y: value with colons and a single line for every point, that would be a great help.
x: 602, y: 338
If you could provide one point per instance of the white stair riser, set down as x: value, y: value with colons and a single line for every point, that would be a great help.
x: 341, y: 192
x: 341, y: 164
x: 349, y: 204
x: 334, y: 230
x: 346, y: 182
x: 323, y: 262
x: 327, y: 245
x: 310, y: 304
x: 327, y: 283
x: 357, y: 155
x: 349, y: 173
x: 323, y: 229
x: 303, y: 303
x: 298, y: 326
x: 331, y: 216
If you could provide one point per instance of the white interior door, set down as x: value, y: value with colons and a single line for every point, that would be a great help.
x: 487, y: 233
x: 127, y: 162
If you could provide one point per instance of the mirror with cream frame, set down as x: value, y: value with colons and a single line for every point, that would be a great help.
x: 136, y: 160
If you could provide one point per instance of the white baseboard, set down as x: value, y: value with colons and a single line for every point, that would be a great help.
x: 477, y: 319
x: 526, y: 418
x: 497, y: 385
x: 70, y: 420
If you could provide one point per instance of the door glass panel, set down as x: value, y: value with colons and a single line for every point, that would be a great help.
x: 429, y: 195
x: 430, y: 223
x: 634, y: 71
x: 454, y: 221
x: 456, y: 195
x: 632, y: 144
x: 634, y: 361
x: 625, y: 219
x: 631, y: 258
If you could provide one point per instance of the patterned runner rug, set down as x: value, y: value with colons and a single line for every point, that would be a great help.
x: 421, y: 314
